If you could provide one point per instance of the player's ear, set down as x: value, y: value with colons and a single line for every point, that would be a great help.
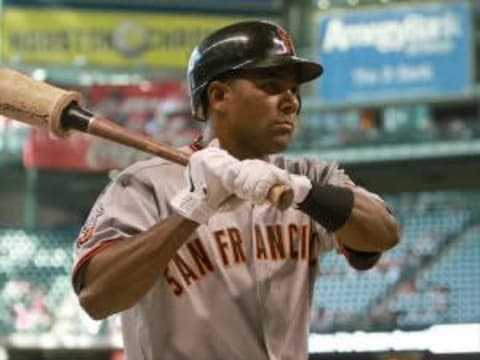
x: 217, y: 93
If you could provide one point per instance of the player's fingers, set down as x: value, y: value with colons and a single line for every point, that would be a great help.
x: 261, y: 191
x: 255, y: 179
x: 241, y: 184
x: 272, y: 176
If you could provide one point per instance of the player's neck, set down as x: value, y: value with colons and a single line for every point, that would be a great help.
x: 240, y: 151
x: 230, y: 143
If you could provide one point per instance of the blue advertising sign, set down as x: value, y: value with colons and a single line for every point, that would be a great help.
x: 421, y: 50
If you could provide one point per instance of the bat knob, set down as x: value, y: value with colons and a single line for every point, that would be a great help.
x: 281, y: 196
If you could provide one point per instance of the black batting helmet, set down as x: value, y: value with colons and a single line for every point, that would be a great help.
x: 243, y: 45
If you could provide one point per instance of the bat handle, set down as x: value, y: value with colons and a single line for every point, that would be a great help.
x: 281, y: 196
x: 80, y: 119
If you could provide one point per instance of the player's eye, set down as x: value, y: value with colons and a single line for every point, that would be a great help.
x: 270, y: 87
x: 273, y: 86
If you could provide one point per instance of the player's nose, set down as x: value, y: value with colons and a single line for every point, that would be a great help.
x: 289, y: 101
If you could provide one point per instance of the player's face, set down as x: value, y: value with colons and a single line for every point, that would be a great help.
x: 263, y: 111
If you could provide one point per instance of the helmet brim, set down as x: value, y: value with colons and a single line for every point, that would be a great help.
x: 306, y: 70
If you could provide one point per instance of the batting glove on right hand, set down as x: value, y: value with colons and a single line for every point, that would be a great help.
x: 252, y: 179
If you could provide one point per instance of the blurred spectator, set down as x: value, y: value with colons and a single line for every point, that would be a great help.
x: 404, y: 124
x: 27, y: 306
x: 429, y: 220
x: 172, y: 123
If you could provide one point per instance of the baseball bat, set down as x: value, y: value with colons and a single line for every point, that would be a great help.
x: 59, y: 111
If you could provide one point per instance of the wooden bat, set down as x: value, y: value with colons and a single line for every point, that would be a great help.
x: 60, y: 111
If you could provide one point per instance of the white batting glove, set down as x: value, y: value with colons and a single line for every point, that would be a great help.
x: 252, y: 179
x: 205, y: 194
x: 301, y: 186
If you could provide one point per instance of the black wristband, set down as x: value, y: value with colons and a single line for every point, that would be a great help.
x: 329, y: 205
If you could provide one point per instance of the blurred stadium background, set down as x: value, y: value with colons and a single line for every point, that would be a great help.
x: 398, y: 107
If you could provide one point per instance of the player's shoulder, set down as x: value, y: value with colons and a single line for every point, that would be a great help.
x: 152, y: 165
x: 303, y: 165
x: 320, y: 170
x: 149, y: 169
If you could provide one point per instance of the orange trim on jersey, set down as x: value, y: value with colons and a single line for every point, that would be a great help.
x: 85, y: 258
x: 197, y: 144
x: 341, y: 248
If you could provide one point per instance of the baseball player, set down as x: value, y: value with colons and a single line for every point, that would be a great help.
x: 197, y: 261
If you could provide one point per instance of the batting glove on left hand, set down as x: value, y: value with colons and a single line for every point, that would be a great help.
x: 205, y: 193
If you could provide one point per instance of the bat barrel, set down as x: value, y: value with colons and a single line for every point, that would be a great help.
x: 33, y: 102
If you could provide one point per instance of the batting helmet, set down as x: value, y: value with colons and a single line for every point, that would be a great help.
x: 243, y: 45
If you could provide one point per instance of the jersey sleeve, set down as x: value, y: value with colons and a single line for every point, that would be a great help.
x: 128, y: 206
x: 359, y: 260
x: 321, y: 171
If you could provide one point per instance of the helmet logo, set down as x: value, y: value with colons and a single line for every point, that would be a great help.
x: 286, y: 40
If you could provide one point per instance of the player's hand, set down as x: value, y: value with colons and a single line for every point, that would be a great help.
x: 301, y: 186
x: 252, y: 179
x: 205, y: 194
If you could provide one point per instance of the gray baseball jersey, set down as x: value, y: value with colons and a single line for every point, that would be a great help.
x: 239, y: 288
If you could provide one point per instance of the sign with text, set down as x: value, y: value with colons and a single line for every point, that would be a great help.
x: 104, y: 38
x: 139, y: 4
x: 411, y: 51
